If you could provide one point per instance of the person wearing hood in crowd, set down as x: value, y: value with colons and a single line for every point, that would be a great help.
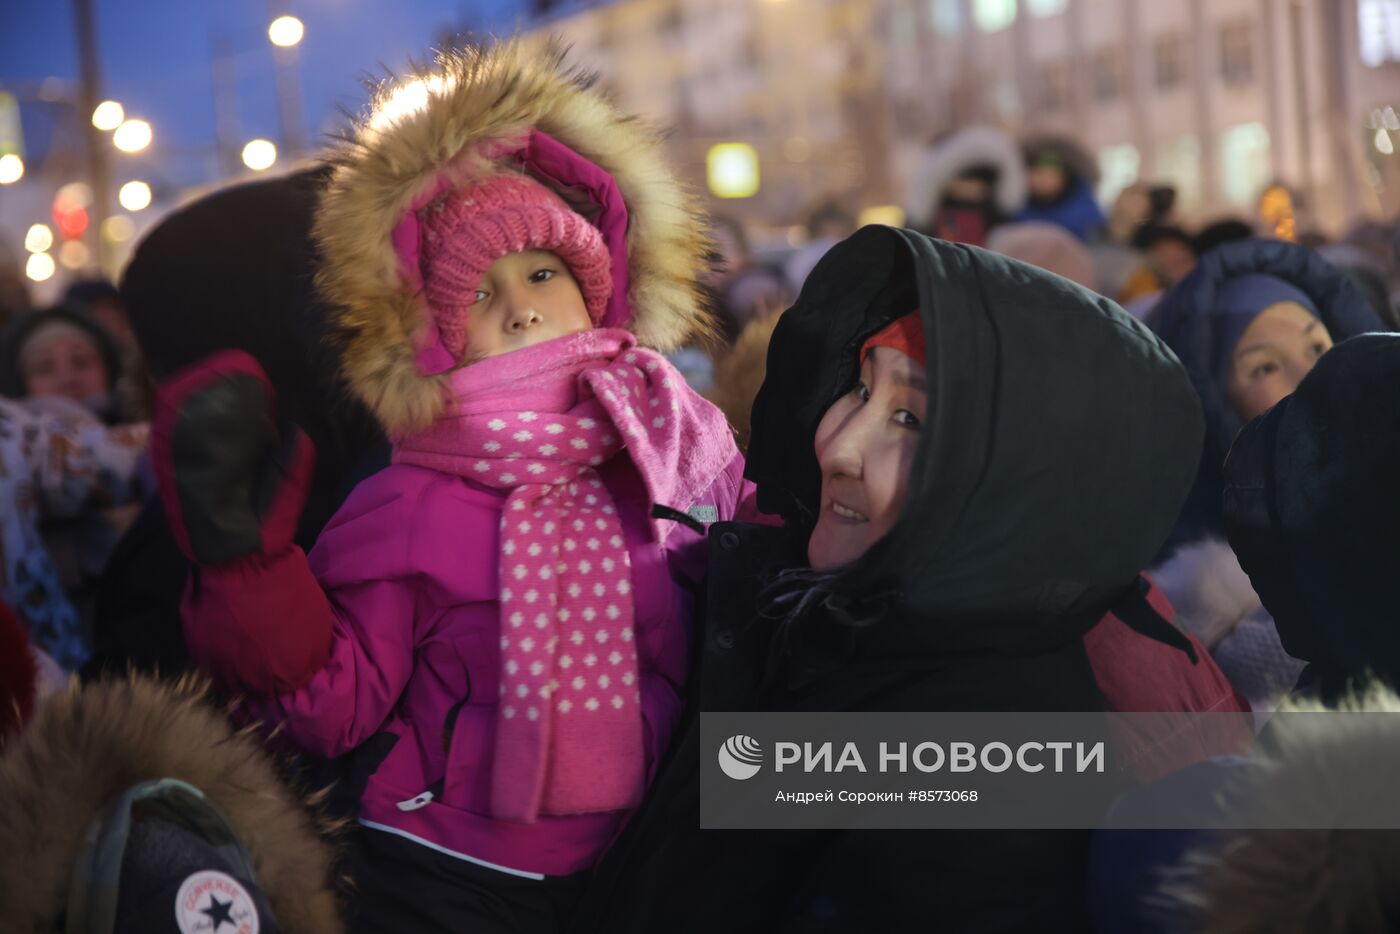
x: 1311, y: 509
x: 62, y: 353
x: 1249, y: 323
x: 500, y: 616
x: 1060, y: 180
x: 133, y: 806
x: 254, y: 240
x: 966, y: 185
x: 971, y: 458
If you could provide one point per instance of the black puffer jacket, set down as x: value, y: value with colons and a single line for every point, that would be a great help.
x: 1060, y: 439
x: 1312, y: 510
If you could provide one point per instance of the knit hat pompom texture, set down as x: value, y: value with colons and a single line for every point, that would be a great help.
x: 466, y: 230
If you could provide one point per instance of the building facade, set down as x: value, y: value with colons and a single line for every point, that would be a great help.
x: 841, y: 97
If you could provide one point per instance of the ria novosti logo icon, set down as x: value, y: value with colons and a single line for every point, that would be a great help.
x: 740, y: 757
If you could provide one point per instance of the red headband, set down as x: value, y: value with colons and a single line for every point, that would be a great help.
x: 905, y: 334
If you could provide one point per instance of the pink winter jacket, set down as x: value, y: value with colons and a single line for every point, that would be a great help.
x: 409, y: 569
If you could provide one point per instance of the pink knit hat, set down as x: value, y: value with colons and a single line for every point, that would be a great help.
x: 467, y: 229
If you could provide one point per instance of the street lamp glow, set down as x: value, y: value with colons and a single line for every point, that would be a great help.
x: 134, y: 196
x: 286, y: 31
x: 732, y: 170
x: 259, y: 154
x: 11, y: 168
x: 132, y: 136
x: 39, y: 267
x: 108, y: 115
x: 38, y: 239
x: 118, y: 228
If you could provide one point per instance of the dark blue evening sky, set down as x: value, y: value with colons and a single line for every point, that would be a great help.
x: 155, y: 59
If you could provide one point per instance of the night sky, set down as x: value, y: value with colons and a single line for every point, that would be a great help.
x: 155, y: 60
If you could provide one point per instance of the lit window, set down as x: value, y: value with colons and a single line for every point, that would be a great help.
x: 1046, y: 7
x: 1109, y: 75
x: 1245, y: 167
x: 1169, y: 62
x: 993, y: 15
x: 1237, y: 53
x: 1178, y: 162
x: 1118, y: 168
x: 947, y: 17
x: 1379, y: 22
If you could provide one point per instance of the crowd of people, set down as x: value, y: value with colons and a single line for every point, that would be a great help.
x: 457, y: 475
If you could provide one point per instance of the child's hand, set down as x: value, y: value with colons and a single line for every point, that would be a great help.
x: 232, y: 481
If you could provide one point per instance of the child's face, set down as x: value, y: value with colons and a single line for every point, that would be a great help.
x: 524, y: 299
x: 65, y: 366
x: 1273, y: 355
x: 865, y: 448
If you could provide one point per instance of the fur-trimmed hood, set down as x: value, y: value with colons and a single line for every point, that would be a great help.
x: 90, y: 744
x: 1303, y: 881
x: 448, y: 124
x: 964, y: 150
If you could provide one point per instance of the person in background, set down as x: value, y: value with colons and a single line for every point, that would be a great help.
x: 827, y: 224
x: 1060, y: 180
x: 965, y: 185
x: 1225, y: 230
x: 1169, y: 255
x: 1249, y: 323
x: 1048, y: 246
x: 70, y: 483
x: 740, y: 288
x: 101, y: 301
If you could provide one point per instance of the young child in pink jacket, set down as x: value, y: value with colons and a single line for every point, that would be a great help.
x: 504, y: 611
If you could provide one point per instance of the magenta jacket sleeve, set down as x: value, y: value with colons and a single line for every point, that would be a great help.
x: 245, y: 622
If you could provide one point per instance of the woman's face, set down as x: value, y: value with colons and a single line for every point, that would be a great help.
x: 524, y: 299
x: 69, y: 365
x: 865, y: 447
x: 1273, y: 355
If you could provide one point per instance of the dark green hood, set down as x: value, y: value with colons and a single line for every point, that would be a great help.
x: 1061, y: 440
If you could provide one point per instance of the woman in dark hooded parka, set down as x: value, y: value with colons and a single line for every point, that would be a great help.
x: 1045, y: 456
x: 1313, y: 511
x: 1248, y: 324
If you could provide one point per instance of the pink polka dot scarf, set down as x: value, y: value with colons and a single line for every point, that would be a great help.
x: 537, y: 422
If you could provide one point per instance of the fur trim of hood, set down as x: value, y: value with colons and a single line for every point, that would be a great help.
x: 978, y: 145
x: 431, y: 121
x: 1303, y: 881
x: 91, y: 743
x: 1208, y: 589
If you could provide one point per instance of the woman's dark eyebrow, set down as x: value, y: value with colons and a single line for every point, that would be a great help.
x: 1308, y: 330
